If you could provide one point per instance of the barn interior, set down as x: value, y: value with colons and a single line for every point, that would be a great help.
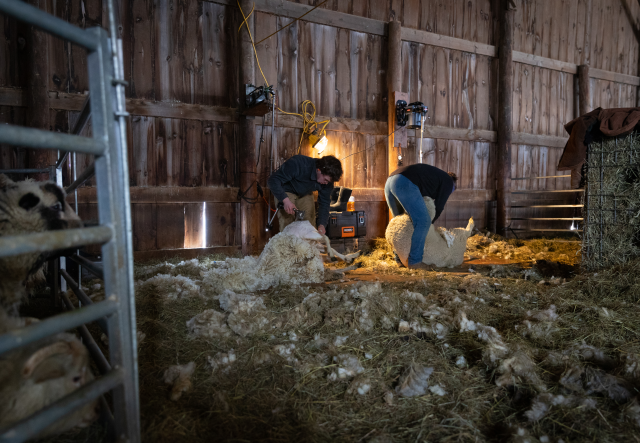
x: 200, y: 318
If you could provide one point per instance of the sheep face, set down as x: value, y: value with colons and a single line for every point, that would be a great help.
x: 26, y: 207
x: 35, y: 377
x: 436, y: 249
x: 30, y: 206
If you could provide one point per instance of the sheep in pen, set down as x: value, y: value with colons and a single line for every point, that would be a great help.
x: 46, y: 371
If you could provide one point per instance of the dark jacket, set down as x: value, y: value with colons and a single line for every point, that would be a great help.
x: 298, y: 176
x: 431, y: 181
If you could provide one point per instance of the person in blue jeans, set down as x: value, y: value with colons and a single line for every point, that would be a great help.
x: 404, y: 191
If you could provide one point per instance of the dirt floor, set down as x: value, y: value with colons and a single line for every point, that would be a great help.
x: 513, y: 345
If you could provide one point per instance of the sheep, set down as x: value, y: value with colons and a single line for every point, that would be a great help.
x: 33, y: 377
x: 442, y: 249
x: 27, y: 207
x: 304, y: 230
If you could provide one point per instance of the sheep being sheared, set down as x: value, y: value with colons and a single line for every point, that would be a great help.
x: 442, y: 248
x: 290, y: 257
x: 27, y: 207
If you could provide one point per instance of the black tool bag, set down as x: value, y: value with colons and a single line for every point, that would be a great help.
x: 347, y: 224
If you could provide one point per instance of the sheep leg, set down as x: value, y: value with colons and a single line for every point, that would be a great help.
x: 333, y: 254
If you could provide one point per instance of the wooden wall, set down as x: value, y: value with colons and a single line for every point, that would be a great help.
x: 181, y: 64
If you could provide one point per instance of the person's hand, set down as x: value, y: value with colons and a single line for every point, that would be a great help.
x: 322, y: 230
x: 288, y: 206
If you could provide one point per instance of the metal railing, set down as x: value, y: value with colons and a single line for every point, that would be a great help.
x: 544, y: 192
x: 115, y: 314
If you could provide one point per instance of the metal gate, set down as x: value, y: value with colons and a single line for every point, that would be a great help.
x: 116, y: 312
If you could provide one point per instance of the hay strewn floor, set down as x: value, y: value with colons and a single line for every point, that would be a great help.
x: 519, y: 353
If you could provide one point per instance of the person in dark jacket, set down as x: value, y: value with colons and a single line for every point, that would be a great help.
x: 404, y: 191
x: 293, y: 185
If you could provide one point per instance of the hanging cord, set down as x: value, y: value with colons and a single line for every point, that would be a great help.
x: 251, y: 200
x: 244, y: 22
x: 261, y: 140
x: 285, y: 27
x: 374, y: 145
x: 309, y: 123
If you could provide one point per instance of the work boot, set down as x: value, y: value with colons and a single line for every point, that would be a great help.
x: 398, y: 261
x: 420, y: 266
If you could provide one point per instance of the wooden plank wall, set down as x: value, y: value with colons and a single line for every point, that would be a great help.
x: 185, y: 52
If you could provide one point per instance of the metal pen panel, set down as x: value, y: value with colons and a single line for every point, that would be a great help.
x: 92, y: 267
x: 84, y: 176
x: 54, y: 240
x: 112, y: 189
x: 83, y: 298
x: 63, y: 322
x: 25, y: 12
x: 88, y: 341
x: 39, y: 139
x: 32, y: 426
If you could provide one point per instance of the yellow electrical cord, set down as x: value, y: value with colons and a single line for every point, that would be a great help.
x: 309, y: 124
x: 244, y: 22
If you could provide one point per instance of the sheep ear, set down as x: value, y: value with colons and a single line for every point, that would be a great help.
x: 5, y: 182
x: 41, y: 366
x: 29, y: 201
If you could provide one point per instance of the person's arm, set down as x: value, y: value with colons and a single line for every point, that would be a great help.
x: 443, y: 196
x: 324, y: 199
x: 282, y: 175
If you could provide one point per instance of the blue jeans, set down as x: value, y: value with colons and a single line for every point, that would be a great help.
x: 403, y: 196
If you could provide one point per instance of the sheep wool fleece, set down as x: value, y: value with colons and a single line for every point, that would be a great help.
x: 437, y: 251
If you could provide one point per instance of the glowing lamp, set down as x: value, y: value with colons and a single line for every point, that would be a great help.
x: 319, y: 141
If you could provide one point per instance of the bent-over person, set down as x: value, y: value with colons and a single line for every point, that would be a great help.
x: 293, y: 185
x: 404, y: 192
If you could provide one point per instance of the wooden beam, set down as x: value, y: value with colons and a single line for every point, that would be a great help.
x: 543, y: 62
x: 584, y: 90
x: 394, y: 87
x: 586, y: 50
x: 505, y: 125
x: 429, y: 38
x: 614, y: 77
x: 167, y: 194
x: 251, y: 230
x: 321, y: 16
x: 460, y: 195
x: 550, y: 141
x: 36, y: 94
x: 12, y: 97
x: 447, y: 133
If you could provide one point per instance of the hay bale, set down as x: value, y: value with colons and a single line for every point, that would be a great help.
x: 611, y: 233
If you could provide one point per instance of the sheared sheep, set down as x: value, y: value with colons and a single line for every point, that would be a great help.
x: 442, y: 248
x: 32, y: 378
x: 27, y: 207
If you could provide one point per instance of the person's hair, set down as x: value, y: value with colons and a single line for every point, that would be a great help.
x: 331, y: 166
x: 453, y: 176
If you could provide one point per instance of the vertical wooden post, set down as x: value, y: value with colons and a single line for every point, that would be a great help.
x: 584, y: 89
x: 37, y: 96
x: 584, y: 85
x: 505, y: 127
x: 250, y: 224
x: 394, y: 84
x: 586, y: 50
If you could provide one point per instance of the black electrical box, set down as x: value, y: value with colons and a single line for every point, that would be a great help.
x: 347, y: 224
